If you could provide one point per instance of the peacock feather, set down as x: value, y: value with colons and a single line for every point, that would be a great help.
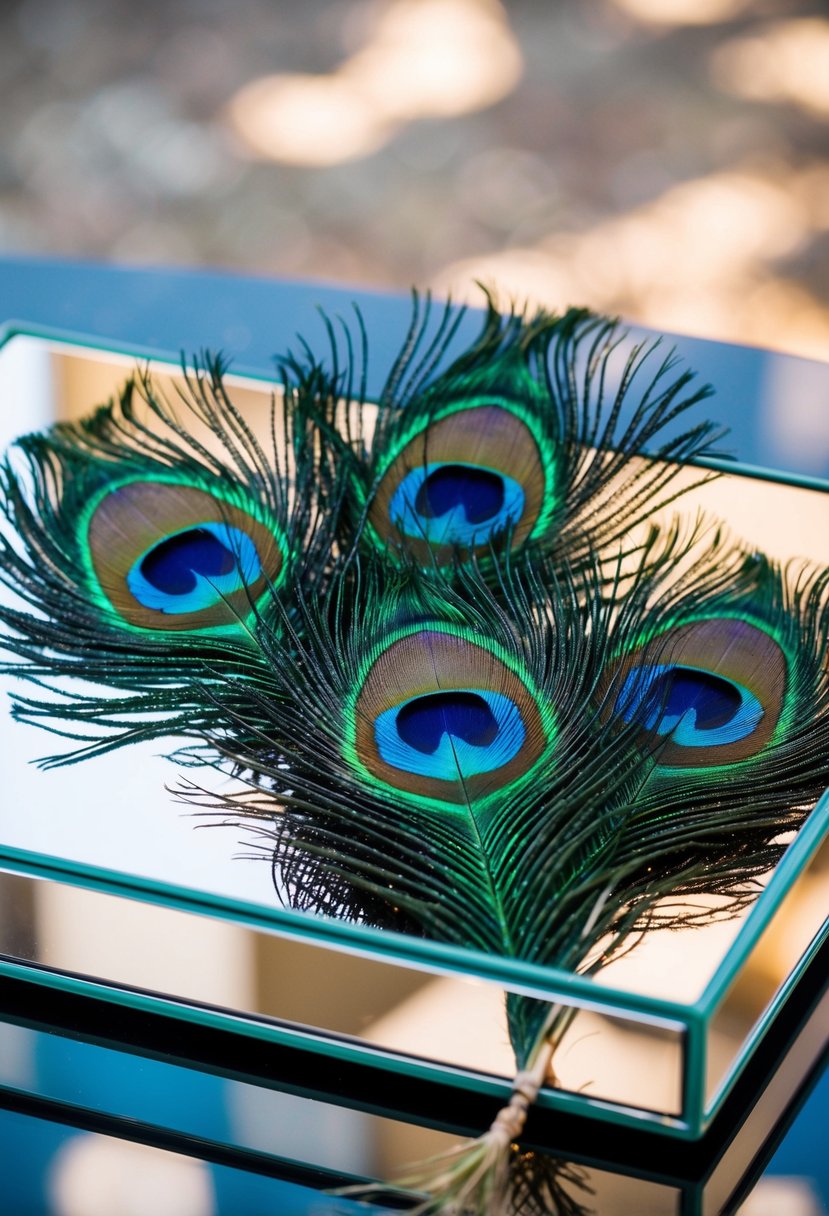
x: 528, y: 434
x: 471, y: 694
x: 146, y: 541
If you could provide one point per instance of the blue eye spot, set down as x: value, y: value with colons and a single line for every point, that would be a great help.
x: 453, y: 503
x: 422, y: 722
x: 451, y: 734
x: 696, y: 708
x: 479, y: 492
x: 194, y: 569
x: 173, y: 565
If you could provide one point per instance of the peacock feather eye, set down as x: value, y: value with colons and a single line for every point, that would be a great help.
x: 170, y: 555
x: 707, y: 693
x: 442, y: 716
x: 460, y: 479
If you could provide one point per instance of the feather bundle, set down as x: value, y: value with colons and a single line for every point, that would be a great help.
x: 474, y: 699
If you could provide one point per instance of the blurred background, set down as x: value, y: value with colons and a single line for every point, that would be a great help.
x: 664, y: 159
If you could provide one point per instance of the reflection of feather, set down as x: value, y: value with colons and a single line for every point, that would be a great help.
x: 463, y: 713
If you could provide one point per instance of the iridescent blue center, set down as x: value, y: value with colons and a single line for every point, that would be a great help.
x: 452, y: 734
x: 697, y: 708
x: 194, y: 569
x: 423, y: 722
x: 455, y: 503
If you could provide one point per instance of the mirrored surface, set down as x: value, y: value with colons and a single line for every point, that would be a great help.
x: 118, y: 812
